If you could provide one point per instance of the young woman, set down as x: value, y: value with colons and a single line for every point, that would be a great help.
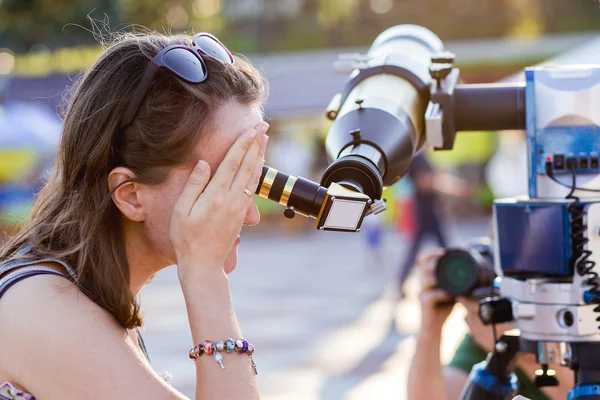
x: 161, y: 151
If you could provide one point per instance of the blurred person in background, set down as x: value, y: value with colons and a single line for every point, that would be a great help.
x: 428, y: 208
x: 429, y: 379
x: 373, y: 230
x: 161, y: 151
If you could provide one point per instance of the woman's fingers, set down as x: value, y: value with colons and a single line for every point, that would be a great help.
x: 248, y: 165
x: 260, y: 162
x: 231, y: 164
x: 194, y: 187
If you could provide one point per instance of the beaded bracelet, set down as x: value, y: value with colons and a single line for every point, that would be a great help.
x: 229, y: 346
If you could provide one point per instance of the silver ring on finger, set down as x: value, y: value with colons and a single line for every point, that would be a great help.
x: 248, y: 192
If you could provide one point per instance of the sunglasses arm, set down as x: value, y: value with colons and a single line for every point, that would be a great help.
x: 139, y: 95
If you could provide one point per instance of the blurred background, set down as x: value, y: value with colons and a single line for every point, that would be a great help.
x: 323, y: 309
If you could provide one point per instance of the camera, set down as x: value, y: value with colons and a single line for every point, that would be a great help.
x: 467, y: 271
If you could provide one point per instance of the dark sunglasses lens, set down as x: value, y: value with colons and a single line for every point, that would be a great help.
x: 210, y: 46
x: 185, y: 64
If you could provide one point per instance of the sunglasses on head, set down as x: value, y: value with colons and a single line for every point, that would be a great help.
x: 184, y: 61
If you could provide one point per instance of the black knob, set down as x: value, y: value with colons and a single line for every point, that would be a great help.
x: 359, y: 103
x: 356, y: 135
x: 495, y: 310
x: 443, y: 57
x: 545, y: 377
x: 289, y: 213
x: 440, y: 71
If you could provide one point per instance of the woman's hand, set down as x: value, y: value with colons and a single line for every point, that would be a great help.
x: 208, y: 216
x: 436, y: 304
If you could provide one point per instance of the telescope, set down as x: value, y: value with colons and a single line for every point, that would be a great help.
x: 404, y: 94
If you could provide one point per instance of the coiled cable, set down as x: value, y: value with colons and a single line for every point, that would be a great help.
x: 581, y: 262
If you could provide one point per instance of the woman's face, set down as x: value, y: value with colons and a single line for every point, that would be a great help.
x: 231, y: 121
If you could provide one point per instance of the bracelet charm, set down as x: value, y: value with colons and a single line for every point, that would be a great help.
x: 240, y: 346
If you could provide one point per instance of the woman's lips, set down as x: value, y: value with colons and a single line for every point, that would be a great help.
x: 237, y: 241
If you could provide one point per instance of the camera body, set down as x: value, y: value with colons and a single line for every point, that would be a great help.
x: 467, y: 271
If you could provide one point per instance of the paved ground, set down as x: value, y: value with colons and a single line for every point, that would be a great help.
x: 321, y: 311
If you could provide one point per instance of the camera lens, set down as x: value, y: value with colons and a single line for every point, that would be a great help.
x: 457, y: 272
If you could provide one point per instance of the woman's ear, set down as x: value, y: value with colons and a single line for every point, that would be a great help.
x: 126, y: 195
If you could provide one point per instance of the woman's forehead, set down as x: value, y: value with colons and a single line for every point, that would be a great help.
x: 230, y: 122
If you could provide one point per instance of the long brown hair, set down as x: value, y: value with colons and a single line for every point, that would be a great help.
x: 74, y: 218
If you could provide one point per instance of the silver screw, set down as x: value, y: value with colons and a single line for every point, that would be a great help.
x: 501, y: 347
x: 486, y: 311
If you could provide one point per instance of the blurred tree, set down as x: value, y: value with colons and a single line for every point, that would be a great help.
x: 27, y: 23
x: 275, y: 25
x: 527, y: 18
x: 331, y: 13
x: 567, y: 16
x: 335, y: 16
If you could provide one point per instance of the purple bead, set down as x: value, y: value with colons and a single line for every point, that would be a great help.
x: 244, y: 346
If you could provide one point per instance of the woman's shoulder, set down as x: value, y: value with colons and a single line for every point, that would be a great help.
x: 43, y: 306
x: 53, y: 336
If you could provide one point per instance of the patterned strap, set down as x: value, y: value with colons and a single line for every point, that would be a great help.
x: 13, y: 277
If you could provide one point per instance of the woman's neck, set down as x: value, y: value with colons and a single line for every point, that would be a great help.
x: 143, y: 261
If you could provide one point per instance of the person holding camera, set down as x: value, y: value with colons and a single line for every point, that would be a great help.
x: 429, y: 379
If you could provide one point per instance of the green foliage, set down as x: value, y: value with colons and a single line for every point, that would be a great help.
x: 269, y: 27
x: 26, y: 23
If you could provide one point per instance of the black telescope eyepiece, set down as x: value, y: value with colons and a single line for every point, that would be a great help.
x: 303, y: 196
x: 336, y: 207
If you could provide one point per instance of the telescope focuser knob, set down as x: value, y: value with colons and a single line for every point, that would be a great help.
x: 440, y: 72
x: 289, y: 212
x: 378, y: 206
x: 443, y: 57
x: 495, y: 310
